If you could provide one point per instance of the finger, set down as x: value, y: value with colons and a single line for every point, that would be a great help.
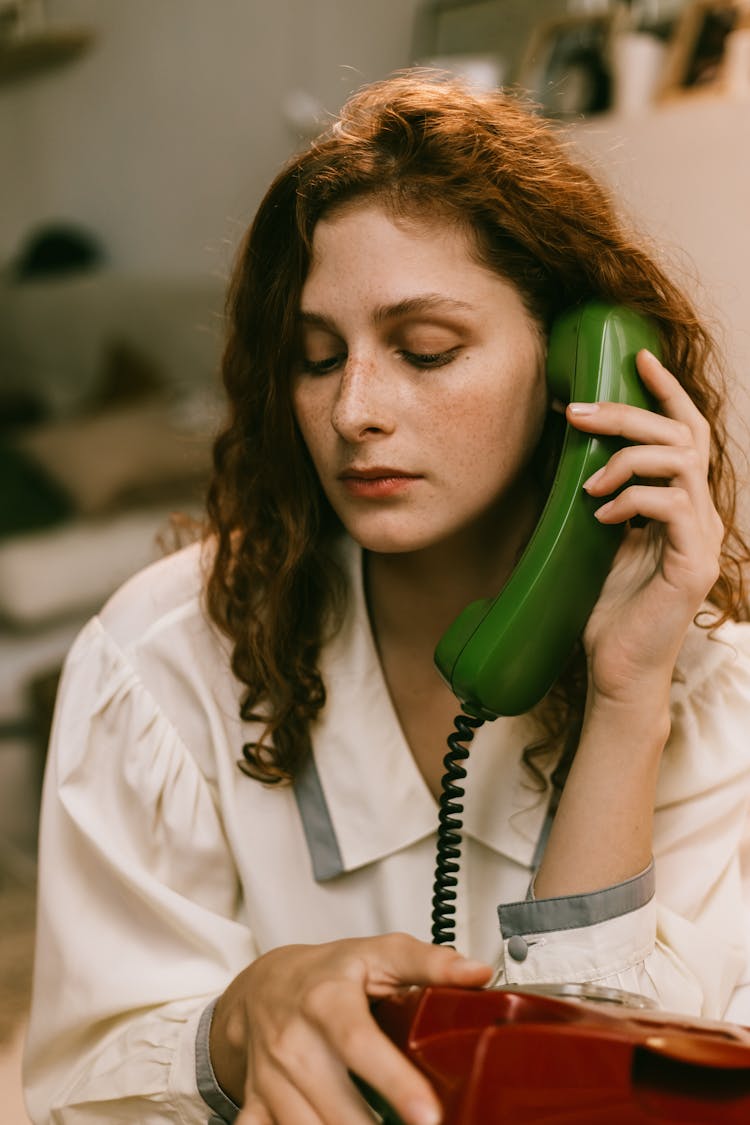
x: 676, y: 465
x: 356, y: 1038
x: 254, y: 1112
x: 680, y: 422
x: 303, y: 1106
x: 694, y: 551
x: 402, y: 959
x: 670, y: 505
x: 272, y: 1099
x: 619, y: 419
x: 672, y: 396
x: 312, y: 1085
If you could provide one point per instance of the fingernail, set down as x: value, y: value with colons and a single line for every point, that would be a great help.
x: 593, y: 479
x: 583, y: 407
x: 603, y: 510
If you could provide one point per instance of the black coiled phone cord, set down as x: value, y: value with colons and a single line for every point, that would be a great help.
x: 449, y: 831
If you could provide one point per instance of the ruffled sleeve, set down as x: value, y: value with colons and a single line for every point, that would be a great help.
x: 677, y: 932
x: 139, y: 922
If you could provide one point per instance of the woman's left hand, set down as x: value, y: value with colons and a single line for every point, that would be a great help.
x: 662, y: 572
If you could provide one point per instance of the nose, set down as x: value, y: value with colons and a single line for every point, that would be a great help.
x: 364, y: 405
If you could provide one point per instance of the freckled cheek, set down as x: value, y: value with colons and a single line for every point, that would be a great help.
x: 481, y: 434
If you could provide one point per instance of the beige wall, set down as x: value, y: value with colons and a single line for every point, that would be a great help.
x: 682, y: 173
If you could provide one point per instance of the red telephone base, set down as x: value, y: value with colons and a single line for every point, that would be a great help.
x: 497, y: 1057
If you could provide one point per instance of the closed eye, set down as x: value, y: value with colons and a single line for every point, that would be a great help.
x: 322, y: 366
x: 421, y: 360
x: 430, y: 359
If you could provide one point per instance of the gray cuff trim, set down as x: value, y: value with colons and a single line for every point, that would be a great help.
x: 572, y: 912
x: 224, y: 1109
x: 317, y: 824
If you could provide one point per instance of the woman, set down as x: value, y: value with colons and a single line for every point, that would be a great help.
x: 214, y: 934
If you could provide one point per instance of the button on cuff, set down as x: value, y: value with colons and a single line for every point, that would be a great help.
x: 517, y: 948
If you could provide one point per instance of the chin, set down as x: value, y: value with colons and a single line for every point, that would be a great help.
x: 394, y: 540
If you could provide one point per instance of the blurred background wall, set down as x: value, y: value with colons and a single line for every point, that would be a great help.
x: 164, y: 133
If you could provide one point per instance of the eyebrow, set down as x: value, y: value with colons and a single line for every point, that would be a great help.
x: 425, y: 303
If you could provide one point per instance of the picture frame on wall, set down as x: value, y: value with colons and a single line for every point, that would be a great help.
x: 697, y: 57
x: 565, y: 68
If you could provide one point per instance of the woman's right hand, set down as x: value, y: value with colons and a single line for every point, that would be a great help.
x: 288, y: 1029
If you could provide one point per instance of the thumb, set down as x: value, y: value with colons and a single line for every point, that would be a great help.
x: 409, y: 961
x: 449, y: 967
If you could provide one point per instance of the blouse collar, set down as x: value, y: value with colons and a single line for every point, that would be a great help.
x: 361, y: 796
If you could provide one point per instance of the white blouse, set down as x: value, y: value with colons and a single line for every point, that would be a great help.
x: 164, y: 870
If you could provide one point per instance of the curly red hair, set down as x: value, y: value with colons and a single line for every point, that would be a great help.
x: 417, y: 143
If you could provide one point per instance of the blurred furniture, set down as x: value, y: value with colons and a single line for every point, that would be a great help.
x: 108, y: 406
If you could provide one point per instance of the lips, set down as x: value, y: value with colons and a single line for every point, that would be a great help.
x: 374, y: 483
x: 379, y: 472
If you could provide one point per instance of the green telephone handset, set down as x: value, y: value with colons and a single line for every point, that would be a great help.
x: 502, y: 655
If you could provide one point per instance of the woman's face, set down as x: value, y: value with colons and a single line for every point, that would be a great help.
x: 419, y: 387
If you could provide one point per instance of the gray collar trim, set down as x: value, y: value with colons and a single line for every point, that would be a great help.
x: 322, y: 843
